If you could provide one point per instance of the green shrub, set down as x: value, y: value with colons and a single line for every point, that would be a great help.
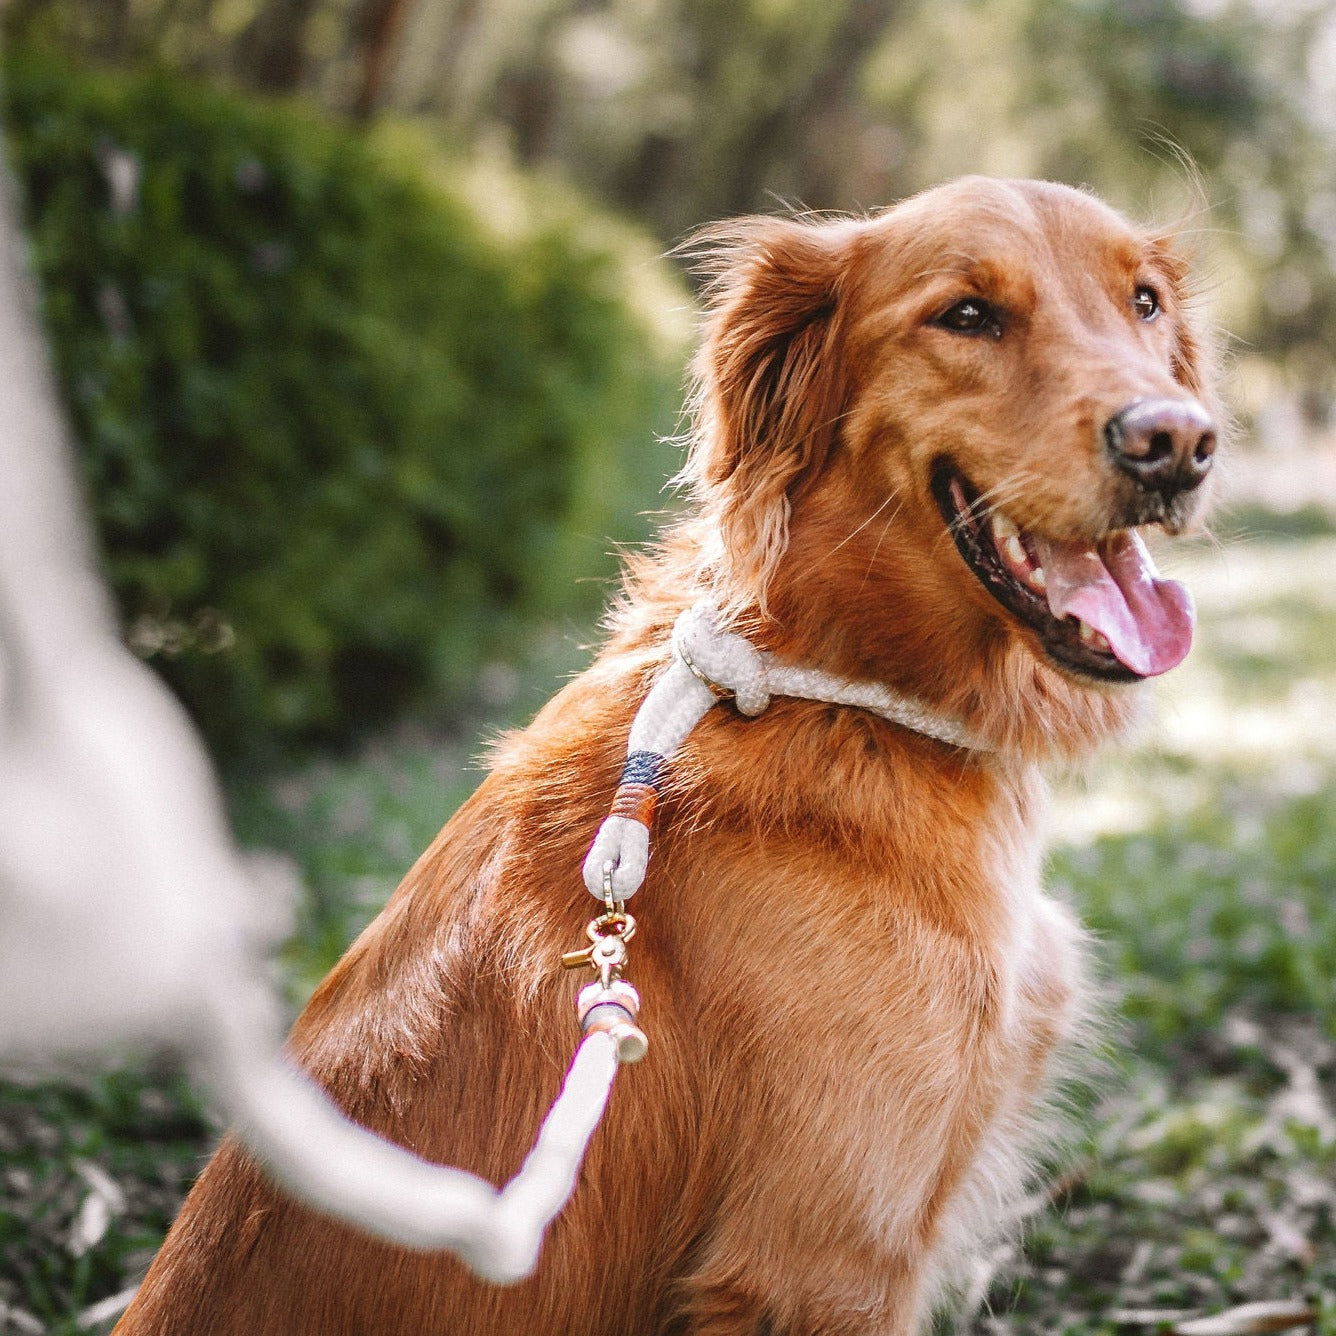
x: 338, y: 438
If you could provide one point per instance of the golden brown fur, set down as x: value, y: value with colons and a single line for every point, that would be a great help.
x: 853, y: 984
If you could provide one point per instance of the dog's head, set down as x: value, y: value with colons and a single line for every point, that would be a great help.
x: 928, y: 441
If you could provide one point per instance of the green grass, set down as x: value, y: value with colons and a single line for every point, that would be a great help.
x: 1203, y: 857
x: 353, y: 825
x: 119, y: 1145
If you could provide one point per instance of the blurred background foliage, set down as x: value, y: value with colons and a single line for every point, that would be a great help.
x: 361, y: 315
x: 368, y: 357
x: 339, y: 438
x: 676, y: 112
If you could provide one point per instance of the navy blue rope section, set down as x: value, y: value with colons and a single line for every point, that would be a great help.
x: 645, y: 767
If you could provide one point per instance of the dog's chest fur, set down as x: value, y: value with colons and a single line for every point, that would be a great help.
x: 862, y: 935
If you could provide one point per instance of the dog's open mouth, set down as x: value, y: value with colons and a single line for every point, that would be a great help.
x: 1099, y: 609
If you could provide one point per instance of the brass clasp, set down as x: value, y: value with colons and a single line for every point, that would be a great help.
x: 610, y: 1005
x: 608, y: 935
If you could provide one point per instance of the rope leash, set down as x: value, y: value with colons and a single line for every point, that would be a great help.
x: 710, y: 665
x: 499, y: 1233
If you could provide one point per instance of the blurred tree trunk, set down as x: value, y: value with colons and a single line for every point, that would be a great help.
x: 528, y: 93
x: 271, y: 52
x: 829, y: 86
x: 763, y: 98
x: 379, y: 23
x: 19, y: 16
x: 113, y: 43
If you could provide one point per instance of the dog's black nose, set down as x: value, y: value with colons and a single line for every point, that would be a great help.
x: 1166, y: 445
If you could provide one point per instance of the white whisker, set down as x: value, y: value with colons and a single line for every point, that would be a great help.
x: 881, y: 538
x: 853, y: 533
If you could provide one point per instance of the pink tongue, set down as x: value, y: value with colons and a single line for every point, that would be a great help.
x: 1146, y: 620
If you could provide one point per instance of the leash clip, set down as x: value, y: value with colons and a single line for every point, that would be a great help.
x: 610, y: 1005
x: 608, y: 935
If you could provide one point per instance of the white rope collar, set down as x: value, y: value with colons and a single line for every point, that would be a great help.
x: 710, y: 665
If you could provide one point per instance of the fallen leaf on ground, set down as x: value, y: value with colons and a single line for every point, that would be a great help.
x: 107, y: 1308
x: 1248, y: 1319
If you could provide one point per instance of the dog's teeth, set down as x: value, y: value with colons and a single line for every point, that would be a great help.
x: 1089, y: 636
x: 1011, y: 547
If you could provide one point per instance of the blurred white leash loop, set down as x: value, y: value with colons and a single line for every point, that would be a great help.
x: 124, y: 905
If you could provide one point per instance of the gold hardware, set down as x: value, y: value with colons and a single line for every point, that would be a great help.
x: 611, y: 1004
x: 714, y: 688
x: 608, y: 935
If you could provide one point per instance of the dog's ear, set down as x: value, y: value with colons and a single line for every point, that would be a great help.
x: 770, y: 384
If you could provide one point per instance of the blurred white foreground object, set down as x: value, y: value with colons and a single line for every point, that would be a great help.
x: 123, y: 902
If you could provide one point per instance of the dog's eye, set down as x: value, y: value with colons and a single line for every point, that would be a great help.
x: 1146, y: 303
x: 972, y: 315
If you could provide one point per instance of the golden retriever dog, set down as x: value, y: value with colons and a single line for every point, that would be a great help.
x: 923, y: 445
